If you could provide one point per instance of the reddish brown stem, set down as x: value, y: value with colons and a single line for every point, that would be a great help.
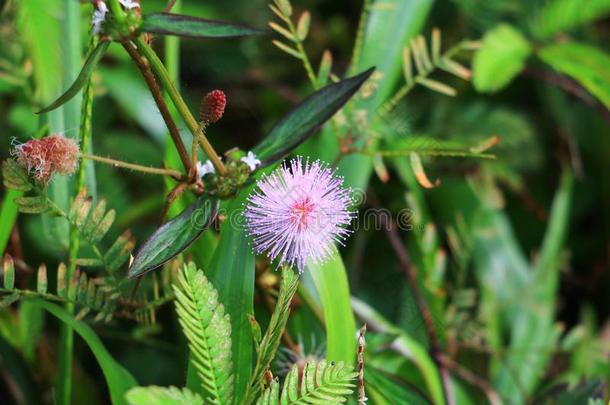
x: 388, y: 225
x: 155, y: 90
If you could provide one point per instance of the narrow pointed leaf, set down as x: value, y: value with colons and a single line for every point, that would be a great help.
x: 288, y: 49
x: 153, y: 395
x: 174, y: 236
x: 82, y: 78
x: 302, y: 122
x: 330, y: 281
x: 187, y: 26
x: 119, y: 380
x: 325, y: 68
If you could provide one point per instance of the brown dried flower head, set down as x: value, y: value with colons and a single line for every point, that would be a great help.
x: 44, y: 157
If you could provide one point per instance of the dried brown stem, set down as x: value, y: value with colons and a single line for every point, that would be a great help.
x: 389, y: 226
x: 472, y: 378
x: 570, y: 87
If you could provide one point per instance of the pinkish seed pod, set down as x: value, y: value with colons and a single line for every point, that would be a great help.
x: 213, y: 106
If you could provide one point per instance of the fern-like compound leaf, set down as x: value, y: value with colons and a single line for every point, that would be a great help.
x: 14, y: 176
x: 154, y: 395
x: 321, y: 383
x: 208, y: 331
x: 273, y: 335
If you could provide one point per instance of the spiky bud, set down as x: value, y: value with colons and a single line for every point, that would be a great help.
x: 213, y: 106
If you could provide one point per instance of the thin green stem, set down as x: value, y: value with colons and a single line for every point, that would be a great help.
x: 389, y: 105
x: 359, y: 43
x: 72, y: 112
x: 180, y: 104
x: 149, y: 77
x: 306, y: 63
x: 132, y: 166
x: 117, y: 11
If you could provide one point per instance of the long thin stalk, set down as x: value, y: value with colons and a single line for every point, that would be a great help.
x: 389, y: 226
x: 158, y: 97
x: 163, y: 75
x: 359, y: 43
x: 72, y: 118
x: 132, y: 166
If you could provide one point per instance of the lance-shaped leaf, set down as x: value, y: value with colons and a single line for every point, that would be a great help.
x: 174, y: 236
x: 302, y: 122
x: 187, y: 26
x: 92, y: 60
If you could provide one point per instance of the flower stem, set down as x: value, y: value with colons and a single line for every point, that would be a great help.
x: 306, y: 63
x: 131, y: 166
x: 117, y: 11
x: 149, y: 77
x: 183, y: 109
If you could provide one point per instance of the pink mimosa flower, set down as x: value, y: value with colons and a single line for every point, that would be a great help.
x: 298, y: 213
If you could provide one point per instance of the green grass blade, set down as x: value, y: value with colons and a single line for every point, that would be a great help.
x: 119, y: 380
x: 232, y: 273
x: 331, y: 282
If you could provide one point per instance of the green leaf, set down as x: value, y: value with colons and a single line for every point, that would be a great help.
x: 187, y: 26
x: 119, y: 380
x: 153, y: 395
x: 32, y: 205
x: 14, y: 176
x: 232, y: 273
x: 302, y: 122
x: 331, y: 282
x: 321, y: 383
x: 586, y: 64
x: 388, y: 29
x: 548, y: 260
x: 273, y: 335
x: 90, y: 64
x: 325, y: 68
x: 174, y: 236
x: 119, y: 251
x: 385, y: 388
x: 564, y: 15
x: 501, y: 57
x: 303, y: 25
x: 8, y: 273
x: 208, y: 330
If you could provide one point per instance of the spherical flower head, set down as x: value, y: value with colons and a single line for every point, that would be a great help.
x: 213, y: 106
x: 44, y: 157
x: 298, y: 212
x: 32, y: 157
x: 63, y: 153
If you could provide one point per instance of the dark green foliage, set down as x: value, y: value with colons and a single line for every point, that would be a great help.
x: 174, y: 236
x: 187, y: 26
x: 82, y: 79
x: 302, y: 122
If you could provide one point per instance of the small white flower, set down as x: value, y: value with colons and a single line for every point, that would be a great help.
x: 99, y: 16
x: 251, y: 160
x: 205, y: 168
x: 129, y: 4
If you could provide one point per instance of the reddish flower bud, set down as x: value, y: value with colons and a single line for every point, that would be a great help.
x: 213, y: 106
x: 43, y: 157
